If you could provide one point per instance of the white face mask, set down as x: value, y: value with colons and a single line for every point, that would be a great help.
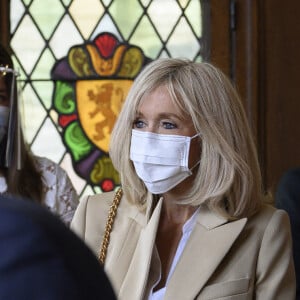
x: 4, y: 114
x: 160, y: 160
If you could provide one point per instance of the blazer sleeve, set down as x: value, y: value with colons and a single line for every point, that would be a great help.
x: 275, y: 269
x: 78, y: 224
x: 90, y: 219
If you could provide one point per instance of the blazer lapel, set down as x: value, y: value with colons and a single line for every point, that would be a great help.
x: 209, y: 242
x: 136, y: 277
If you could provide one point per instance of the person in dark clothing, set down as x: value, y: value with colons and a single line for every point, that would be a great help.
x: 42, y: 259
x: 288, y: 198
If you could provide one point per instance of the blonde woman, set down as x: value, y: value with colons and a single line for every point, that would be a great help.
x: 191, y: 220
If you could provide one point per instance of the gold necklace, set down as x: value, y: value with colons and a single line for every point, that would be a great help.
x: 108, y: 227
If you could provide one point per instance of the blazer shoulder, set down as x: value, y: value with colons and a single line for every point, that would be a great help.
x: 270, y: 219
x: 92, y: 213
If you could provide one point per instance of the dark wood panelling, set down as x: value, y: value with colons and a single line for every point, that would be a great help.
x: 4, y: 22
x: 281, y: 60
x: 266, y: 70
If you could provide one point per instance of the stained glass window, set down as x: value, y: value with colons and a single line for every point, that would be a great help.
x: 45, y: 32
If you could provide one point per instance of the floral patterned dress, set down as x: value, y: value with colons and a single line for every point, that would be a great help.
x: 60, y: 195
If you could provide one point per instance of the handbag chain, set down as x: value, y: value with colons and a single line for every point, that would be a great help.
x: 109, y: 224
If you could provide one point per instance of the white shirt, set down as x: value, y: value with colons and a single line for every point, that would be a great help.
x: 186, y: 232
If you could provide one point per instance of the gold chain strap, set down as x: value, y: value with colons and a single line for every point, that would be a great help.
x: 109, y: 223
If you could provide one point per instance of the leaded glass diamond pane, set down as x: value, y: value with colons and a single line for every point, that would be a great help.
x: 16, y: 16
x: 27, y: 50
x: 107, y: 23
x: 106, y: 2
x: 193, y: 13
x: 27, y: 2
x: 188, y: 46
x: 145, y: 2
x: 65, y: 36
x: 183, y: 3
x: 126, y: 15
x: 67, y: 2
x: 44, y: 90
x: 41, y: 71
x: 48, y: 142
x: 146, y: 37
x: 46, y: 18
x: 86, y: 14
x: 164, y: 15
x: 34, y: 113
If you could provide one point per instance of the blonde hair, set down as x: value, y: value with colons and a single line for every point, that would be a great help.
x: 228, y: 178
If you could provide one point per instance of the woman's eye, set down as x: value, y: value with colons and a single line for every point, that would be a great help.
x: 138, y: 124
x: 169, y: 125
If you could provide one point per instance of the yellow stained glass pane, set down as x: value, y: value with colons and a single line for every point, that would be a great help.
x: 99, y: 103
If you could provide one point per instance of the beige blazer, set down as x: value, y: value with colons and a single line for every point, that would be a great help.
x: 243, y: 259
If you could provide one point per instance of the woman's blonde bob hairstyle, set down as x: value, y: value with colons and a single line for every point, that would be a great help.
x: 228, y: 178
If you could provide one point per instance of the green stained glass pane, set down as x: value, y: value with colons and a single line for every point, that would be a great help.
x: 126, y: 15
x: 64, y: 98
x: 46, y: 18
x: 44, y: 90
x: 194, y: 15
x: 77, y: 141
x: 146, y: 37
x: 41, y: 71
x: 164, y: 15
x: 86, y: 14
